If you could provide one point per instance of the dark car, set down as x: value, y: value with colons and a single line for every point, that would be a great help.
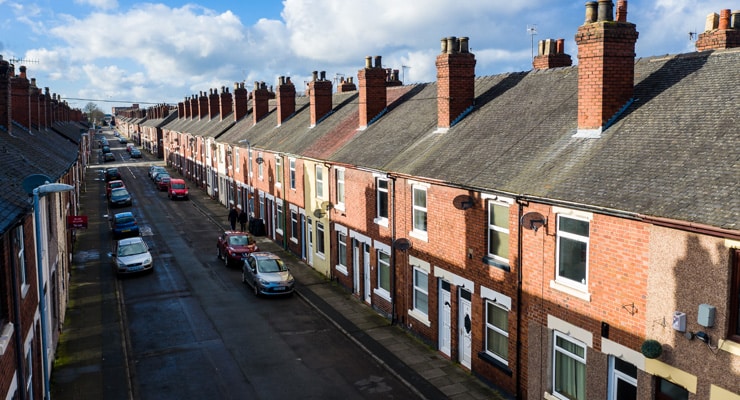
x: 120, y: 198
x: 158, y: 176
x: 112, y: 174
x: 156, y: 169
x: 132, y: 255
x: 124, y: 225
x: 106, y: 149
x: 233, y: 246
x: 267, y: 274
x: 163, y: 183
x: 122, y: 140
x: 135, y: 153
x: 108, y: 157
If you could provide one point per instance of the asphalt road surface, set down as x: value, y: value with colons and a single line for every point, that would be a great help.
x: 192, y: 330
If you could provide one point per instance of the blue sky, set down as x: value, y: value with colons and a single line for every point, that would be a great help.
x: 117, y: 52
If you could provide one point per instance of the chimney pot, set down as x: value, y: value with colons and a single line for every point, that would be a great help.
x: 464, y: 44
x: 735, y: 20
x: 712, y: 22
x: 314, y: 75
x: 443, y: 45
x: 622, y: 10
x: 724, y: 20
x: 605, y: 10
x: 323, y: 75
x: 378, y: 63
x: 591, y: 13
x: 368, y: 62
x: 451, y: 45
x: 560, y: 46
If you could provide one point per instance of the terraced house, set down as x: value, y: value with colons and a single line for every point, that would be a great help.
x: 568, y: 232
x: 44, y: 149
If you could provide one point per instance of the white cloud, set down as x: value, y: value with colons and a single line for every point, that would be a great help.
x: 99, y: 4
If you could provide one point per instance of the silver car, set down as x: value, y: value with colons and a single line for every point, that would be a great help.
x: 132, y: 255
x: 267, y: 274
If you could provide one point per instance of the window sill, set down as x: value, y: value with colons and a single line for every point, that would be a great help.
x: 420, y: 316
x: 585, y: 296
x: 730, y: 347
x: 381, y: 221
x: 342, y: 269
x: 495, y: 362
x: 419, y: 235
x: 7, y: 333
x: 294, y: 240
x: 496, y: 263
x: 321, y: 256
x: 383, y: 294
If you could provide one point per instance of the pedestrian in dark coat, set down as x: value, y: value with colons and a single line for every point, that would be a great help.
x: 242, y: 219
x: 233, y: 216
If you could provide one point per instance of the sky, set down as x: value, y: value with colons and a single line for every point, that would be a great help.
x: 118, y: 52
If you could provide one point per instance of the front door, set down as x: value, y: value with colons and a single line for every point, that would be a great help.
x: 465, y: 328
x: 445, y: 318
x: 366, y: 271
x: 309, y: 234
x: 356, y: 257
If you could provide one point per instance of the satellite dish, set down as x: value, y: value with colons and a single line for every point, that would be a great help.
x: 319, y: 213
x: 402, y: 244
x: 463, y: 202
x: 33, y: 181
x: 325, y: 205
x: 533, y: 221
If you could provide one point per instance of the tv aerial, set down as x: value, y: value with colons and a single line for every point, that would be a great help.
x: 22, y: 60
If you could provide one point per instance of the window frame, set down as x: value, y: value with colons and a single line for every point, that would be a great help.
x: 381, y: 208
x: 417, y: 289
x: 294, y: 225
x: 278, y: 170
x: 496, y: 330
x: 616, y: 375
x: 420, y: 209
x: 320, y: 232
x: 319, y: 181
x: 566, y: 353
x: 260, y: 167
x: 382, y: 266
x: 585, y: 240
x: 280, y: 226
x: 339, y: 190
x: 292, y: 166
x: 21, y: 257
x: 342, y: 251
x: 492, y: 227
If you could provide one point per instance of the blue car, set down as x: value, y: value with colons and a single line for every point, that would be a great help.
x: 124, y: 225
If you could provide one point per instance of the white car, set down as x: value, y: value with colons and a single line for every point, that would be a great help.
x: 132, y: 255
x: 267, y: 274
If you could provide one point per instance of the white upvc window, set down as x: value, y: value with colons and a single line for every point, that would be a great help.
x: 384, y: 273
x: 569, y: 368
x: 497, y: 331
x: 572, y: 252
x: 292, y: 173
x: 498, y: 231
x: 278, y: 170
x: 260, y: 166
x: 419, y: 208
x: 319, y: 181
x: 339, y: 176
x: 381, y: 201
x: 320, y: 248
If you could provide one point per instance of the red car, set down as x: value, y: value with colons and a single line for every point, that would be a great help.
x: 163, y: 183
x: 234, y: 246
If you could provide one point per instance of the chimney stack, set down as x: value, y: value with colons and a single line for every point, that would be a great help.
x: 285, y: 99
x: 606, y: 66
x: 203, y: 105
x: 5, y: 74
x: 373, y: 97
x: 720, y: 32
x: 214, y: 102
x: 260, y: 101
x: 21, y: 99
x: 551, y: 54
x: 319, y: 94
x: 455, y: 80
x: 241, y: 101
x: 225, y: 104
x: 193, y: 107
x: 346, y: 85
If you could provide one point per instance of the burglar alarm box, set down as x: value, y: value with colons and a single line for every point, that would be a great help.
x: 679, y: 321
x: 706, y: 315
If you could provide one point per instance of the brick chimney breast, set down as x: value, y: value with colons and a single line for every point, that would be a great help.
x: 606, y: 67
x: 241, y: 101
x: 550, y: 54
x: 260, y: 99
x: 373, y: 96
x: 455, y: 80
x: 285, y: 99
x: 21, y: 99
x: 5, y: 74
x: 320, y: 100
x: 721, y: 31
x: 214, y: 103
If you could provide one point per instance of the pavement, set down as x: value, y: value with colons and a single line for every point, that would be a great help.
x: 87, y: 367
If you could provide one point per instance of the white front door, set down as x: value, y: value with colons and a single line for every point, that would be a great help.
x: 366, y: 268
x: 309, y: 234
x: 445, y: 318
x: 356, y: 254
x: 465, y: 328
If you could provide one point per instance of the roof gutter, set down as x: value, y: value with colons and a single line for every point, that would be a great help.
x: 692, y: 227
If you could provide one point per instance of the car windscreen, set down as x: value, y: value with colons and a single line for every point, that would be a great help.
x: 132, y: 249
x: 178, y: 186
x: 271, y: 265
x: 125, y: 220
x: 239, y: 240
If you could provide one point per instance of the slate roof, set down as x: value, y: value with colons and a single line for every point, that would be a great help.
x: 674, y: 153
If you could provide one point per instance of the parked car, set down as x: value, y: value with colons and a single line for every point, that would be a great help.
x: 154, y: 169
x: 112, y: 174
x: 163, y: 182
x: 177, y: 189
x: 108, y: 157
x: 131, y: 255
x: 106, y: 149
x: 158, y: 176
x: 124, y: 225
x: 130, y: 146
x: 113, y: 185
x: 122, y: 139
x: 120, y: 198
x: 267, y: 274
x: 233, y: 246
x: 135, y: 153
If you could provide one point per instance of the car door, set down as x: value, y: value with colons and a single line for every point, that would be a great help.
x: 252, y: 271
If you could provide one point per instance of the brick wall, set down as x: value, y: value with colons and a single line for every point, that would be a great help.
x: 455, y: 80
x: 373, y: 96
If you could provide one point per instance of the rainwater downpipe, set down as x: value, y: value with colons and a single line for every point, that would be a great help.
x: 19, y: 355
x: 519, y: 280
x: 392, y: 190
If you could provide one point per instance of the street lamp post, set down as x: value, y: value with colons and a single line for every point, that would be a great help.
x: 38, y: 192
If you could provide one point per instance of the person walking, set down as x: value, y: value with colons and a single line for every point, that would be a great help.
x: 242, y: 219
x: 233, y: 216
